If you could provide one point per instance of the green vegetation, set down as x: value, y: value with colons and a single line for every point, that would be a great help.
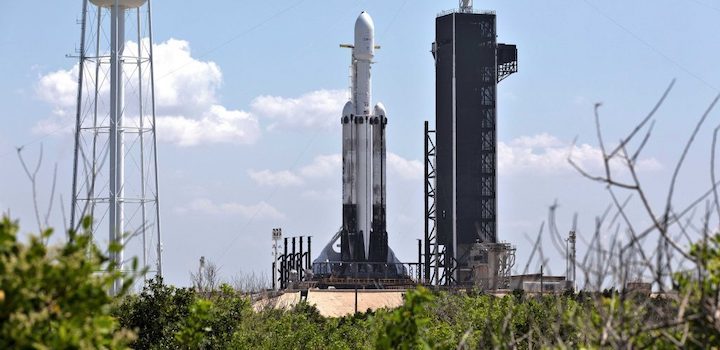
x: 52, y: 297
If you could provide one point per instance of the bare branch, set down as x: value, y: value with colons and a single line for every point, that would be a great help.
x: 32, y: 176
x: 639, y: 126
x: 680, y: 162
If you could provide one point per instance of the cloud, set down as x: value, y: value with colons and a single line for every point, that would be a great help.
x: 187, y: 103
x: 59, y: 88
x: 186, y: 98
x: 261, y: 210
x: 540, y: 140
x: 183, y: 84
x: 330, y: 165
x: 322, y: 166
x: 217, y: 125
x: 319, y: 109
x: 546, y: 154
x: 404, y: 168
x: 276, y: 179
x: 322, y: 194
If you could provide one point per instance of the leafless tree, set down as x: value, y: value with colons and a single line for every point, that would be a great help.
x: 250, y: 283
x: 657, y: 251
x: 32, y: 175
x: 621, y: 250
x: 207, y: 278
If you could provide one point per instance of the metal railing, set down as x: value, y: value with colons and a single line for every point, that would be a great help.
x: 456, y: 10
x: 365, y: 270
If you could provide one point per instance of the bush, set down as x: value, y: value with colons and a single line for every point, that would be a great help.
x: 51, y: 297
x: 155, y: 314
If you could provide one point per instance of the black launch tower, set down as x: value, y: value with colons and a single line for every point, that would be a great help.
x: 461, y: 163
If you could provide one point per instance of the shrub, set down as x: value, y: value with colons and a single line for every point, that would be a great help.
x: 52, y: 297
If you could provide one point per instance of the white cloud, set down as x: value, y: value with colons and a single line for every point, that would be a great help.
x: 261, y: 210
x: 59, y: 88
x: 322, y: 166
x: 319, y: 109
x: 648, y: 164
x: 546, y: 154
x: 405, y: 168
x: 322, y: 194
x: 218, y: 125
x: 57, y: 124
x: 183, y: 84
x: 280, y: 179
x: 539, y: 140
x: 186, y: 99
x: 327, y: 166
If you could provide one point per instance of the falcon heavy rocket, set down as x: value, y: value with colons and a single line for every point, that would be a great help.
x: 363, y: 236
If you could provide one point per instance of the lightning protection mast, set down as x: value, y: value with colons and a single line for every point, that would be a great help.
x: 115, y: 178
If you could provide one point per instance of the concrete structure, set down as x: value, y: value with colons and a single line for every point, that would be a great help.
x: 336, y: 303
x: 489, y: 266
x: 536, y: 283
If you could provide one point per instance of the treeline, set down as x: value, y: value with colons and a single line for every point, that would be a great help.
x: 52, y: 297
x: 166, y: 317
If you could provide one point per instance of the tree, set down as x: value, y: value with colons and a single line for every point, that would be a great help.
x: 155, y: 314
x: 53, y: 297
x: 405, y: 326
x: 207, y: 278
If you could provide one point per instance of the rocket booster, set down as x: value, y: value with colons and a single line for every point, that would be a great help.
x: 364, y: 236
x: 378, y: 235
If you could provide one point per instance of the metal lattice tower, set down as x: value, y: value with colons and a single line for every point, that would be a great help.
x: 115, y: 177
x: 437, y: 265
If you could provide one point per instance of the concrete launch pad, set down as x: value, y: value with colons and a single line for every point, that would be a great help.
x: 336, y: 303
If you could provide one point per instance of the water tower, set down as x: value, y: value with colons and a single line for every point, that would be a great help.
x: 115, y: 164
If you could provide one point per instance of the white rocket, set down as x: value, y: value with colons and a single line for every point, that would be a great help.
x: 364, y: 235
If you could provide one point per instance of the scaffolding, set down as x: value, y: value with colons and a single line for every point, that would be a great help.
x: 437, y: 269
x: 491, y: 265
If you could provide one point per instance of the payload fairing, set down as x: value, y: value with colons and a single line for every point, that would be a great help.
x: 363, y: 234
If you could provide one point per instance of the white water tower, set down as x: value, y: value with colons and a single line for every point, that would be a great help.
x: 115, y: 165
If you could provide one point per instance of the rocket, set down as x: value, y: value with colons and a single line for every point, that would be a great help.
x: 363, y: 234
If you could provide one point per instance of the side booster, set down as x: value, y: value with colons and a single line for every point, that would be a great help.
x: 363, y: 235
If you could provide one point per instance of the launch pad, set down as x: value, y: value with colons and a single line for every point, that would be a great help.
x: 461, y: 246
x: 329, y: 269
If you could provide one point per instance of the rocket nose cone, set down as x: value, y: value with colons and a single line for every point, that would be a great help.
x: 348, y: 109
x: 380, y: 110
x: 364, y: 37
x: 364, y: 23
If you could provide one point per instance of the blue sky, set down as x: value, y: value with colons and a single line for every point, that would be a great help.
x: 278, y: 66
